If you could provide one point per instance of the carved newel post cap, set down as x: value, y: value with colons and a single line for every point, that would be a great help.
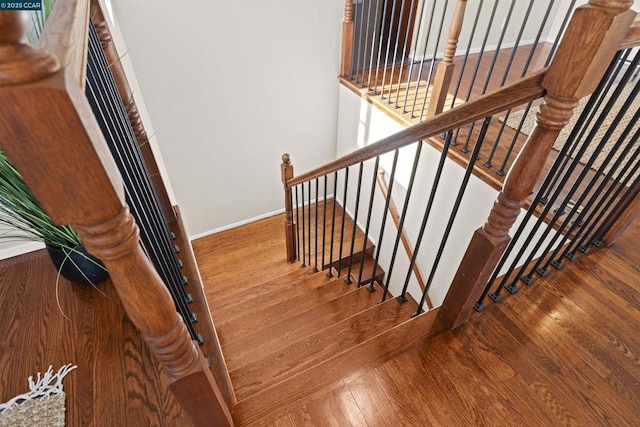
x: 21, y: 62
x: 617, y: 4
x: 286, y: 159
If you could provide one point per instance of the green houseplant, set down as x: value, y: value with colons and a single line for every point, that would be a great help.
x: 25, y: 219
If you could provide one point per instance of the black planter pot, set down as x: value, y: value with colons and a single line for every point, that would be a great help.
x: 79, y: 266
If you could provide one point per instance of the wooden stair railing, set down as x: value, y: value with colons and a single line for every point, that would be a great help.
x: 48, y: 130
x: 574, y: 73
x: 596, y: 31
x: 444, y: 72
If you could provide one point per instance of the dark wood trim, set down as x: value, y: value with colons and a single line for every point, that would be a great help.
x: 205, y: 326
x: 578, y: 66
x: 346, y: 58
x: 444, y: 72
x: 91, y: 199
x: 286, y: 169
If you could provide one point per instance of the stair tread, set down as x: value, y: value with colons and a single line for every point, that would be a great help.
x: 307, y: 352
x: 277, y: 292
x: 246, y: 324
x: 269, y: 339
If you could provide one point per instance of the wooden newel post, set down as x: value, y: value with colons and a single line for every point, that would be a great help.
x: 66, y: 163
x: 442, y: 79
x: 589, y: 44
x: 347, y: 40
x: 289, y: 225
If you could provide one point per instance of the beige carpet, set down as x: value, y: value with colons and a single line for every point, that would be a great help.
x: 516, y: 116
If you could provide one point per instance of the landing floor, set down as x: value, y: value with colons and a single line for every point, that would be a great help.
x: 562, y: 352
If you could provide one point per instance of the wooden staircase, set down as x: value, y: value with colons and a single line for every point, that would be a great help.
x: 287, y: 331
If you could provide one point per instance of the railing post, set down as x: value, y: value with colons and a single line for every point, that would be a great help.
x: 622, y: 218
x: 347, y: 40
x: 442, y: 79
x: 48, y: 130
x: 589, y: 44
x: 289, y: 226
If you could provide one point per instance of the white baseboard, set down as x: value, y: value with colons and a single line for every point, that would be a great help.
x: 20, y: 249
x: 235, y: 224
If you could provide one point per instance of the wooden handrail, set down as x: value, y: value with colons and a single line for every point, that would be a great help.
x: 590, y: 43
x: 517, y: 93
x: 49, y: 131
x: 393, y: 211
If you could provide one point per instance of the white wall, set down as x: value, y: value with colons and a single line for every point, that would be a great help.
x: 231, y: 86
x: 361, y: 124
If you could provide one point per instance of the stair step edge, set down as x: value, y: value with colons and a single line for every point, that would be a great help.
x: 281, y: 397
x: 300, y: 320
x: 303, y: 351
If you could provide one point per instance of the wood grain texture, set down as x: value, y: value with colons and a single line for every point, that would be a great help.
x: 578, y: 56
x: 65, y: 37
x: 563, y: 352
x: 117, y: 382
x: 91, y: 199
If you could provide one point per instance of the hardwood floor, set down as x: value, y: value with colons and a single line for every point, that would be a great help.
x: 562, y: 352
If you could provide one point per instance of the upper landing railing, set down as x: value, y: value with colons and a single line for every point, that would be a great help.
x: 591, y: 39
x: 54, y: 139
x: 416, y: 59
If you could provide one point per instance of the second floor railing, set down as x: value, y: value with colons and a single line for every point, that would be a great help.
x: 440, y: 210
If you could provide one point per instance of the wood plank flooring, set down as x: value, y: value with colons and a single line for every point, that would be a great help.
x: 563, y: 352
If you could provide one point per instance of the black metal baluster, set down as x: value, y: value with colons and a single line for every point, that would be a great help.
x: 304, y: 244
x: 355, y: 223
x: 395, y: 53
x: 611, y: 196
x: 315, y: 266
x: 544, y: 269
x: 333, y: 223
x: 344, y: 216
x: 386, y: 57
x: 424, y: 55
x: 373, y: 49
x: 433, y: 60
x: 534, y: 46
x: 454, y: 213
x: 528, y: 278
x: 629, y: 196
x: 366, y: 40
x: 427, y: 212
x: 297, y: 225
x: 366, y: 230
x: 414, y: 43
x: 360, y: 7
x: 414, y: 169
x: 479, y: 61
x: 404, y: 54
x: 385, y: 212
x: 324, y: 221
x: 599, y: 96
x: 309, y: 222
x: 505, y: 25
x: 586, y: 225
